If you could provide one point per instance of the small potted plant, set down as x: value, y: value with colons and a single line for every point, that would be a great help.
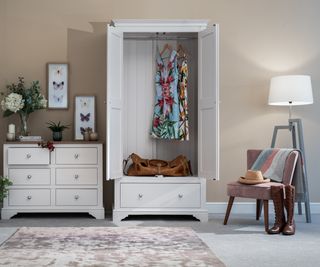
x: 57, y: 129
x: 4, y: 183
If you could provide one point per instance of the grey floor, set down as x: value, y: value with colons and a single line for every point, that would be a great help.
x: 242, y: 242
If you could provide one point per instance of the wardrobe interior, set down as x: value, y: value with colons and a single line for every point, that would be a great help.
x: 139, y: 61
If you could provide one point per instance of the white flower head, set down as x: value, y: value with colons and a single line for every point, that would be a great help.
x: 13, y: 102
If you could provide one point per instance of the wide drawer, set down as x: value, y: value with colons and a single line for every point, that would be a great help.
x: 28, y: 156
x: 76, y: 197
x: 76, y: 155
x: 29, y: 176
x: 29, y: 197
x: 158, y: 195
x: 78, y: 176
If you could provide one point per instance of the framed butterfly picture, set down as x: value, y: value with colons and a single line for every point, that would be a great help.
x: 84, y: 115
x: 58, y: 85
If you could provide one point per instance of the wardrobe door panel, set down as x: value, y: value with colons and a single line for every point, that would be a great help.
x: 114, y: 103
x: 208, y: 101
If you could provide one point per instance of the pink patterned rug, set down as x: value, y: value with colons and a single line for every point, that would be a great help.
x: 106, y: 246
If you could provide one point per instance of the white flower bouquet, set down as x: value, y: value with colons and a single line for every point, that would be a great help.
x: 23, y: 100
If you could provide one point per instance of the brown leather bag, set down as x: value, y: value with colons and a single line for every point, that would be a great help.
x: 180, y: 166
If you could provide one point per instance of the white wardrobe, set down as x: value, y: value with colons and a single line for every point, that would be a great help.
x: 131, y: 65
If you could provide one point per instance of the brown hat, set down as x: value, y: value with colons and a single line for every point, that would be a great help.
x: 253, y: 177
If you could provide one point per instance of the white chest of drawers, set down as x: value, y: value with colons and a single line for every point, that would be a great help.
x: 69, y: 179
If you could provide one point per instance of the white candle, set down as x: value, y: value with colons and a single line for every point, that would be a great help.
x: 12, y: 128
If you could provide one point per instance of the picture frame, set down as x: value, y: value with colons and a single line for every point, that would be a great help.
x: 58, y: 85
x: 84, y: 114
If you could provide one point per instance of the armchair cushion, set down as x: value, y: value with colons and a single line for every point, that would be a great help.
x: 258, y: 191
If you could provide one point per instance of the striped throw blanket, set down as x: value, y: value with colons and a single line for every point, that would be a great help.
x: 271, y: 163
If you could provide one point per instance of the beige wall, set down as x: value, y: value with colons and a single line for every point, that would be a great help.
x: 258, y: 39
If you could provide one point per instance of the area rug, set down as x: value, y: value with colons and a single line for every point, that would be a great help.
x: 106, y: 246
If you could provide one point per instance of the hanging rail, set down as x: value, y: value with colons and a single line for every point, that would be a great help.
x: 159, y: 38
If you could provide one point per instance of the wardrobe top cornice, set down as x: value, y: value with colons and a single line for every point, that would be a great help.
x: 152, y: 25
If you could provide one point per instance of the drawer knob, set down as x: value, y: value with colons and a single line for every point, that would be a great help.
x: 28, y: 156
x: 29, y: 176
x: 29, y: 197
x: 140, y: 195
x: 76, y: 156
x: 76, y: 197
x: 76, y: 176
x: 180, y: 196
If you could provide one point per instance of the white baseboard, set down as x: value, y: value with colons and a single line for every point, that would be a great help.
x: 250, y: 207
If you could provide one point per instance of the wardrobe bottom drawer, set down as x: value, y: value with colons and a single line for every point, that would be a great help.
x: 160, y: 195
x: 76, y: 197
x: 29, y: 197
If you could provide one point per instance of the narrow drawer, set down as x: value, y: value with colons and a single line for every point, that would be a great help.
x: 28, y: 156
x: 77, y: 155
x: 79, y: 176
x: 29, y: 197
x: 29, y: 176
x: 160, y: 195
x: 76, y: 197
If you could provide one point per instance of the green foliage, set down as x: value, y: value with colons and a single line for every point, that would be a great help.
x: 7, y: 113
x: 4, y: 183
x: 33, y: 99
x: 57, y: 127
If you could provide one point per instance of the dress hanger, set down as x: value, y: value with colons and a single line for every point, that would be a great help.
x: 166, y: 47
x: 182, y: 53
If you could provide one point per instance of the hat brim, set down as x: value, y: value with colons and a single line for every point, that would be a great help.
x: 243, y: 180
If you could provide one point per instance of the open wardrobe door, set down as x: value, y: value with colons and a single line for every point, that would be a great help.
x: 208, y: 104
x: 114, y: 103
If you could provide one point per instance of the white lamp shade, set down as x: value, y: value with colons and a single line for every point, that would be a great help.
x: 290, y: 90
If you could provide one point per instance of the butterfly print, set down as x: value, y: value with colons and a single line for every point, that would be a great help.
x: 58, y: 86
x: 58, y: 71
x: 85, y: 117
x: 58, y: 99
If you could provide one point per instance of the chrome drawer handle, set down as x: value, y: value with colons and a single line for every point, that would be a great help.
x: 180, y: 196
x: 28, y: 156
x: 29, y: 197
x: 140, y: 195
x: 29, y: 176
x: 76, y: 176
x: 76, y: 197
x: 76, y: 156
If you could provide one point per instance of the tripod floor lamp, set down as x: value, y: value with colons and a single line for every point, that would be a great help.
x: 293, y: 90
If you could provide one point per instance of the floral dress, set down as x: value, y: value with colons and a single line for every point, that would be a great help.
x: 165, y: 124
x: 183, y: 101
